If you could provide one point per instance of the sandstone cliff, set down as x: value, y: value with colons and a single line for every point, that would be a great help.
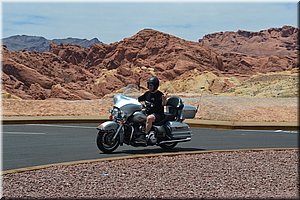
x: 273, y: 50
x: 73, y: 72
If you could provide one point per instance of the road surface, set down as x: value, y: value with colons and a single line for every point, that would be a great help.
x: 29, y: 145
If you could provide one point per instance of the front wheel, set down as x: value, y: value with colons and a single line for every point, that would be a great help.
x: 105, y: 142
x: 168, y: 146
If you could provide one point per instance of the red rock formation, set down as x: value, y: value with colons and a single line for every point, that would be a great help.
x: 274, y: 49
x: 73, y: 72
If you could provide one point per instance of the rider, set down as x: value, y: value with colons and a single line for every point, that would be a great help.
x: 155, y: 101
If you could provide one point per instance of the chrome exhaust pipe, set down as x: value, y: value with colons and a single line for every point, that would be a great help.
x: 179, y: 140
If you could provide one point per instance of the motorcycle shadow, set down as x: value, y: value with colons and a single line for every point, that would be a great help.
x: 158, y: 150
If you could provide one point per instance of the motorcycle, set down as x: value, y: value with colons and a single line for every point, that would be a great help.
x: 128, y: 119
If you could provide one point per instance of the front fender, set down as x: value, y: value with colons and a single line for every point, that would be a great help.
x: 112, y: 125
x: 108, y: 125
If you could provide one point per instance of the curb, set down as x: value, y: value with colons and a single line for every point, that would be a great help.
x: 243, y: 125
x: 190, y: 122
x: 20, y: 170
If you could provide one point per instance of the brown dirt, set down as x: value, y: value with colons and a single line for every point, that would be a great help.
x: 212, y: 107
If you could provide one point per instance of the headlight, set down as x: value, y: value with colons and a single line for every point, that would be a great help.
x: 117, y: 113
x: 123, y: 114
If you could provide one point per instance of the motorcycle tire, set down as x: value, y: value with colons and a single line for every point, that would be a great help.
x: 168, y: 146
x: 105, y: 143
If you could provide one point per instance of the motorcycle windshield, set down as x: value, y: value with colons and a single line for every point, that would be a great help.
x: 127, y: 104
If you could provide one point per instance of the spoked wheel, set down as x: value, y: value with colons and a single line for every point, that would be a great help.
x: 168, y: 146
x: 105, y: 141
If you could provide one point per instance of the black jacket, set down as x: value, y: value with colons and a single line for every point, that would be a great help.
x: 156, y: 99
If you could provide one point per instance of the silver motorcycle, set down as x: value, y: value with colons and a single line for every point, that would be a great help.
x: 128, y: 119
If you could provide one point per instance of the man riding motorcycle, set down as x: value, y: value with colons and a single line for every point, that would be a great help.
x: 154, y: 101
x: 127, y: 121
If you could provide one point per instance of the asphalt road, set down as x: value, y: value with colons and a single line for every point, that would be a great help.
x: 39, y: 144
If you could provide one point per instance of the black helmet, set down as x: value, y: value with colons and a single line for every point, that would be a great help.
x: 153, y: 81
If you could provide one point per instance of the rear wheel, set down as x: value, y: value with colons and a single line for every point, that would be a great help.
x: 168, y: 146
x: 105, y: 142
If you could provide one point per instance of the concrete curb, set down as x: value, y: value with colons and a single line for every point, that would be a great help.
x: 191, y: 122
x: 244, y: 125
x: 20, y: 170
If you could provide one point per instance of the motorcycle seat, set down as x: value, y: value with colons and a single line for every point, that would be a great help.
x: 167, y: 117
x: 174, y: 104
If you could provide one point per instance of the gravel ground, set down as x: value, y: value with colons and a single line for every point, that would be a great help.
x: 241, y: 174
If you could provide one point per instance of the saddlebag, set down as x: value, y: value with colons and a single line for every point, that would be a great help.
x: 188, y: 112
x: 178, y: 130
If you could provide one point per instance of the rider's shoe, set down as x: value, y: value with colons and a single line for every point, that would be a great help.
x: 151, y: 138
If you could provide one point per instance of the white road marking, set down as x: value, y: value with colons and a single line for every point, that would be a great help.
x: 23, y: 133
x: 281, y: 131
x: 271, y: 131
x: 61, y: 126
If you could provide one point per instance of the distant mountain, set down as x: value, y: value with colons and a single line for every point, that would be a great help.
x: 41, y: 44
x: 24, y: 42
x: 81, y: 42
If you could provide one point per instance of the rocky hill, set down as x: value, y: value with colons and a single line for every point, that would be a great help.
x: 73, y: 72
x: 41, y: 44
x: 271, y: 42
x: 262, y: 58
x: 274, y: 49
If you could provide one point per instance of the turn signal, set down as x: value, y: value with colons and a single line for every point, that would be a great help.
x: 110, y: 117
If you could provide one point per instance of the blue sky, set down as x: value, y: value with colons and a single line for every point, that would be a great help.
x: 114, y: 21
